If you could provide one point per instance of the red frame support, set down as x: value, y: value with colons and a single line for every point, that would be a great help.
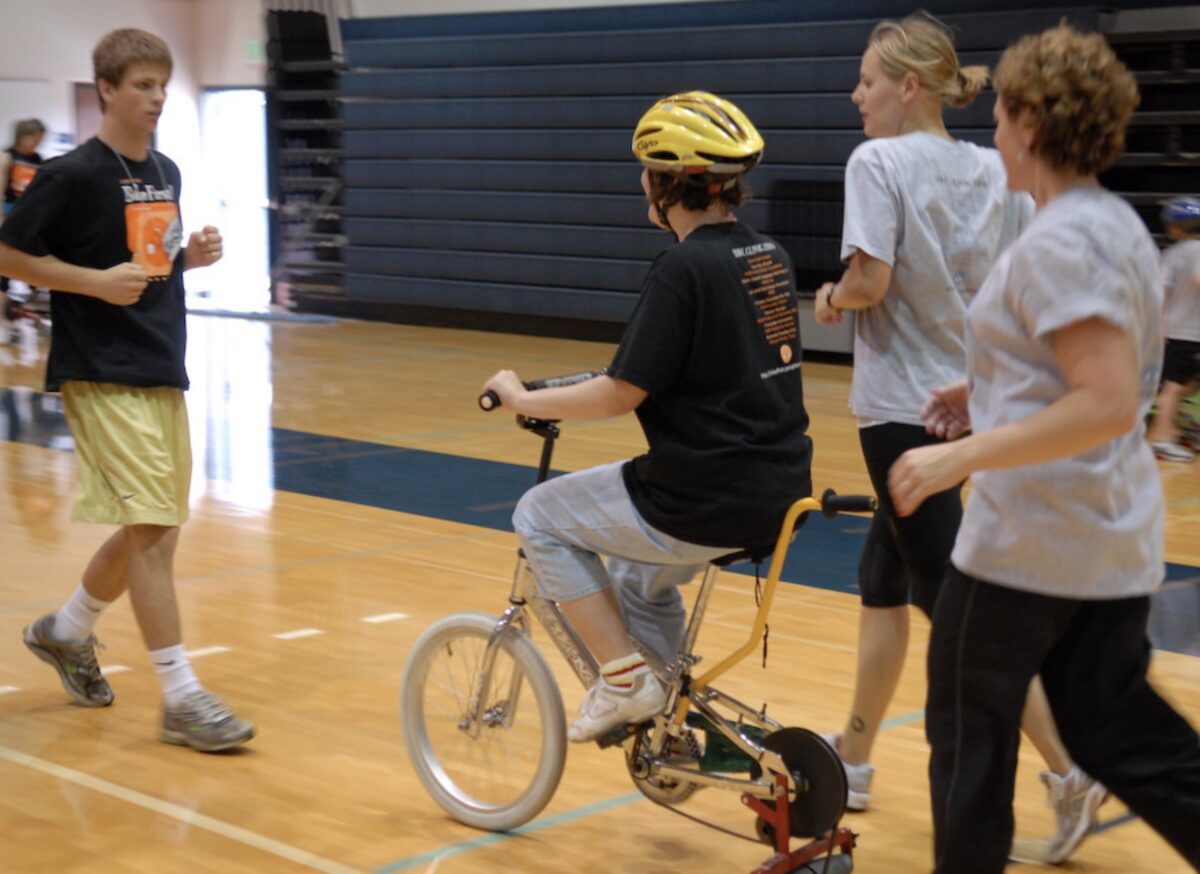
x: 785, y: 859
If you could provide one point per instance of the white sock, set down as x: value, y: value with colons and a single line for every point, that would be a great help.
x: 175, y: 673
x: 78, y: 616
x: 622, y: 673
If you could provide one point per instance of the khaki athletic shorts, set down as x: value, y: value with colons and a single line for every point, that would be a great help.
x: 134, y: 452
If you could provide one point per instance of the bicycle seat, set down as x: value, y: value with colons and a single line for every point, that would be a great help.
x: 755, y: 554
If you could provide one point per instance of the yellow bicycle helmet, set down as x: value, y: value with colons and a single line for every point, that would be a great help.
x: 698, y: 137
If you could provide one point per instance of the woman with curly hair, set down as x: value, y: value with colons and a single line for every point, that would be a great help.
x: 1061, y: 542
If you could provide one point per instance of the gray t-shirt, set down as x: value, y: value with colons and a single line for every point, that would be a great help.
x: 1181, y: 313
x: 1089, y: 526
x: 938, y: 212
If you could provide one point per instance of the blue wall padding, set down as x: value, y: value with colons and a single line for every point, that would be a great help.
x: 487, y: 156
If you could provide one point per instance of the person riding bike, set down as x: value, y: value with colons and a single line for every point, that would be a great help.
x: 711, y: 365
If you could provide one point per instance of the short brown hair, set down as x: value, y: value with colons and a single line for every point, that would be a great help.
x: 1078, y: 96
x: 121, y: 49
x: 28, y: 127
x: 667, y: 190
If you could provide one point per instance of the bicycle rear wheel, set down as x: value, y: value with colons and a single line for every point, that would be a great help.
x: 500, y: 771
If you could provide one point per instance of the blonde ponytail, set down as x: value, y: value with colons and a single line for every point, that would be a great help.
x: 923, y: 46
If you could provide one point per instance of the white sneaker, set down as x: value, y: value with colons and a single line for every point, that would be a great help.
x: 605, y: 707
x: 858, y: 777
x: 1168, y: 451
x: 1075, y: 799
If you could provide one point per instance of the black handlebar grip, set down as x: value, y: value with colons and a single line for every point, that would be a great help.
x: 833, y: 503
x: 489, y: 401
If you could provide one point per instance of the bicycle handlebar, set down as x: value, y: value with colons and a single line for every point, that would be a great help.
x: 489, y: 400
x: 833, y: 503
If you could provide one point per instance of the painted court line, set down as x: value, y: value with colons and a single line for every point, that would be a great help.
x: 485, y: 840
x: 114, y: 669
x: 8, y: 690
x: 385, y: 617
x: 205, y: 651
x: 191, y: 817
x: 298, y: 633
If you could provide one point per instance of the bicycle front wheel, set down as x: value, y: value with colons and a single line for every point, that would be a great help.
x: 499, y: 770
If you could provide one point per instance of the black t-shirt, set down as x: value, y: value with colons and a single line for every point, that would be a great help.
x: 715, y: 343
x: 22, y: 167
x: 83, y: 210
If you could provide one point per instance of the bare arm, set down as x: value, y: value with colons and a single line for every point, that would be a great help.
x: 601, y: 398
x: 121, y: 285
x: 864, y: 284
x: 5, y: 164
x: 1099, y: 364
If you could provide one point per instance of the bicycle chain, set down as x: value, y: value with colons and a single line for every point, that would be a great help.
x: 705, y: 822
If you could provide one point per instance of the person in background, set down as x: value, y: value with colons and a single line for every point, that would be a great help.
x: 1181, y: 325
x: 19, y: 163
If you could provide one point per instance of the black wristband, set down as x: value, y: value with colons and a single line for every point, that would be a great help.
x: 829, y: 298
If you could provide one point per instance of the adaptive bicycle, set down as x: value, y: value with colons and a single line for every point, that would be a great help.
x: 486, y: 732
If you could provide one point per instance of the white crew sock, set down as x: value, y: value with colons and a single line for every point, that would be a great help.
x: 175, y: 673
x: 78, y: 616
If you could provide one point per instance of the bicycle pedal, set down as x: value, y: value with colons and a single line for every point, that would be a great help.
x: 618, y: 735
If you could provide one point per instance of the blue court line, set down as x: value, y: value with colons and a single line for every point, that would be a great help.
x: 904, y: 719
x: 1114, y: 822
x: 485, y: 840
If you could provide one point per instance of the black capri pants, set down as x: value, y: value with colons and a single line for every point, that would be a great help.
x: 908, y: 557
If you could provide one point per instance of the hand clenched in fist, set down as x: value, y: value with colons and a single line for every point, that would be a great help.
x: 122, y: 285
x: 203, y: 248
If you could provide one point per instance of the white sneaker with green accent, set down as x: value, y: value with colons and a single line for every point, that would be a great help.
x: 75, y: 661
x: 204, y: 723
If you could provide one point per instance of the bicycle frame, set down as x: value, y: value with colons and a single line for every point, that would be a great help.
x: 684, y: 692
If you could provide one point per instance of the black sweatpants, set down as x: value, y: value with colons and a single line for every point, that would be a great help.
x: 986, y: 645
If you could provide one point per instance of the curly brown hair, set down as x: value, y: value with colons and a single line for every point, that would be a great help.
x: 1078, y: 98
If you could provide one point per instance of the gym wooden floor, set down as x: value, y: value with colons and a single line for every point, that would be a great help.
x: 275, y: 588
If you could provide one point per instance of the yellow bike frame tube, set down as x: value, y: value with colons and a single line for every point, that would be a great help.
x: 804, y: 505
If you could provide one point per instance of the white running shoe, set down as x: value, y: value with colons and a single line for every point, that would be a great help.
x: 1075, y: 799
x: 606, y: 706
x: 858, y: 777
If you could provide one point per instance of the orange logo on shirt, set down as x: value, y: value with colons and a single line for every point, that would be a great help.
x: 21, y: 176
x: 152, y: 231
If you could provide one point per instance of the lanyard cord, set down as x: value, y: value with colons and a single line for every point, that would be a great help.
x: 162, y: 178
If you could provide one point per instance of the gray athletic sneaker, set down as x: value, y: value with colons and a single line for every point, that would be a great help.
x: 75, y: 662
x: 204, y: 723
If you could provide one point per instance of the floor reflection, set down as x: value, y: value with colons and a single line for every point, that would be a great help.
x: 229, y: 408
x: 240, y: 459
x: 229, y: 404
